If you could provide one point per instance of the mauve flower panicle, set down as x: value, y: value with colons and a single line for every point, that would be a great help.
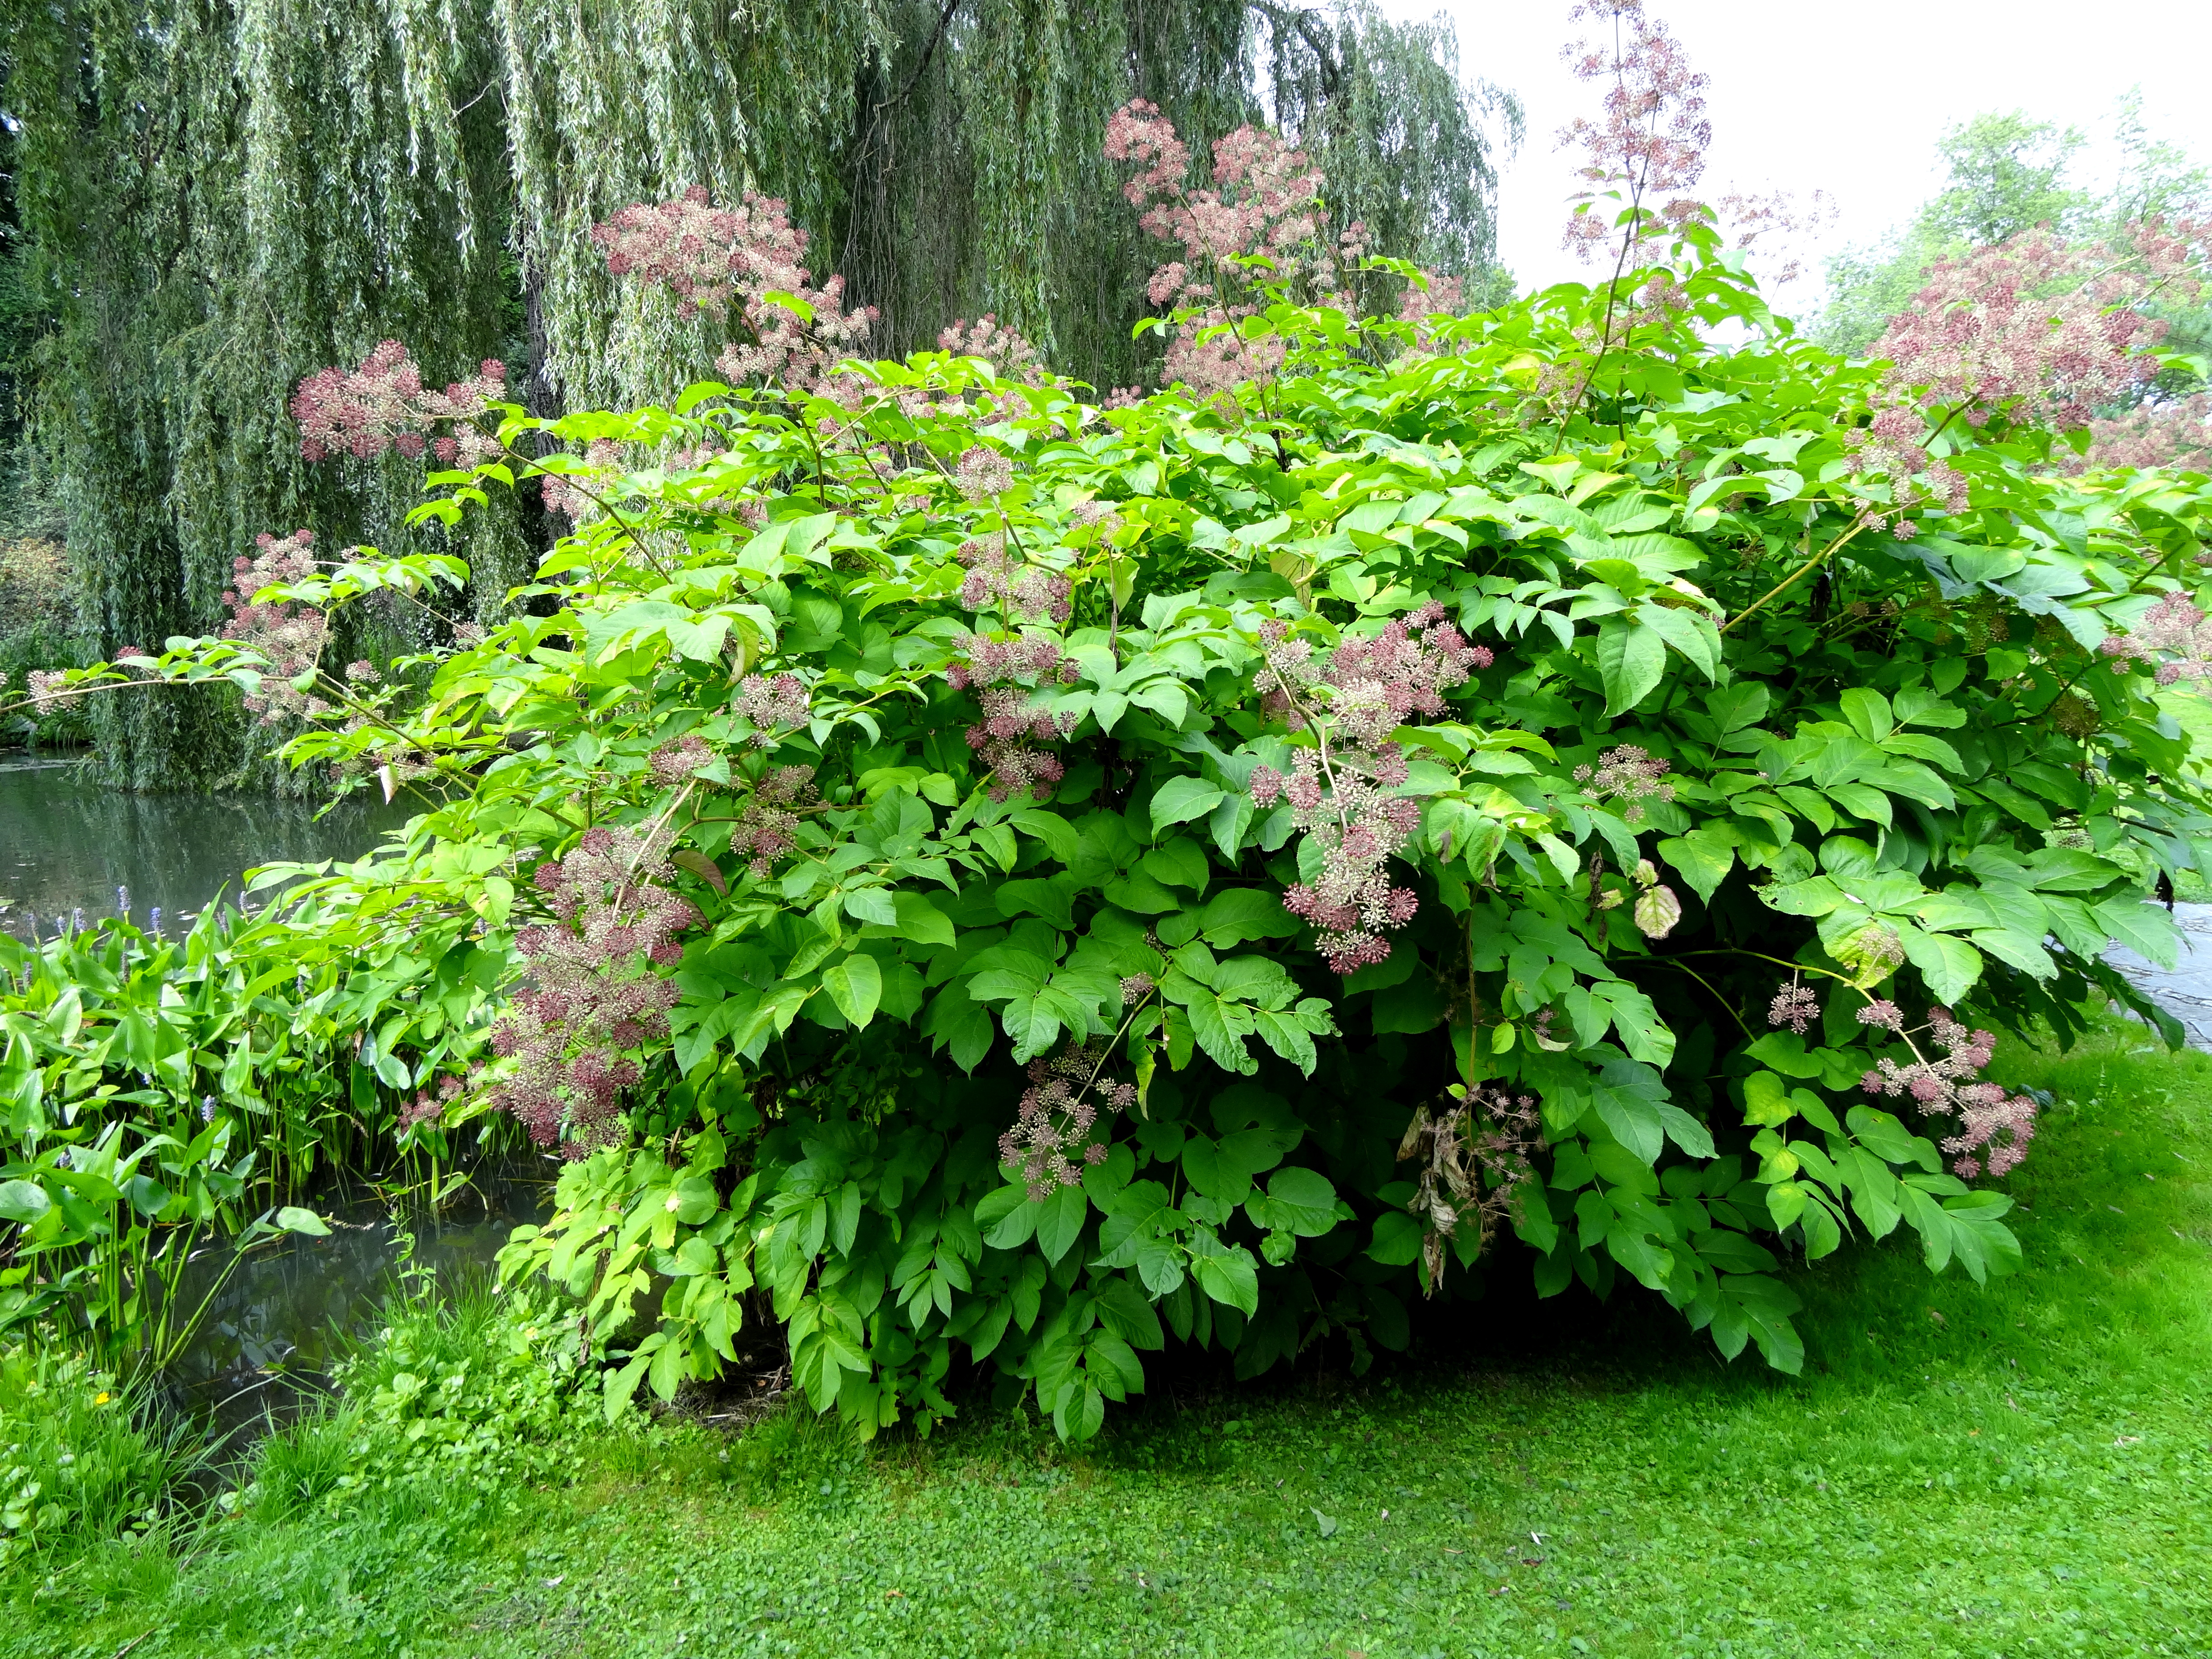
x: 1794, y: 1006
x: 383, y: 404
x: 1630, y: 776
x: 773, y: 705
x: 767, y: 828
x: 2171, y: 432
x: 288, y: 637
x: 1883, y: 1014
x: 1994, y: 1127
x: 2039, y: 328
x: 1651, y: 144
x: 2173, y: 637
x: 1065, y: 1098
x: 1005, y: 675
x: 984, y: 473
x: 728, y: 261
x: 1021, y: 590
x: 563, y: 492
x: 1264, y: 201
x: 1009, y: 355
x: 1339, y: 789
x: 594, y: 993
x: 674, y: 763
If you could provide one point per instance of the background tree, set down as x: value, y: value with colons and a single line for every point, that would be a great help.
x: 210, y: 199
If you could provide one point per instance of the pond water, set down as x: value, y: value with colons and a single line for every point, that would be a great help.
x: 280, y: 1321
x: 277, y: 1323
x: 67, y: 845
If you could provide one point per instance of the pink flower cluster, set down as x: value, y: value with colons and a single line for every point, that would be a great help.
x: 1061, y: 1107
x: 1263, y: 209
x: 1021, y: 590
x: 289, y: 638
x: 767, y: 823
x: 2173, y: 637
x: 1629, y: 776
x: 2173, y: 432
x: 1011, y: 356
x: 594, y: 995
x: 383, y: 404
x: 1339, y: 789
x: 674, y: 763
x: 2039, y: 329
x: 771, y: 705
x: 714, y: 258
x: 1651, y: 144
x: 427, y: 1108
x: 983, y: 473
x: 1994, y: 1127
x: 1005, y: 675
x: 1796, y: 1006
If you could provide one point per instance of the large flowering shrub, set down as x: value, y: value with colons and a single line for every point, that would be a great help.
x: 992, y: 882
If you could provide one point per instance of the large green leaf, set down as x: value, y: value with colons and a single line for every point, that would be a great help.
x: 1630, y: 660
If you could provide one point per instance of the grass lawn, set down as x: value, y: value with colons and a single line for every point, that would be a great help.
x: 2020, y: 1470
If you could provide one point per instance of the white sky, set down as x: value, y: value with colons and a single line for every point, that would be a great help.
x: 1849, y: 99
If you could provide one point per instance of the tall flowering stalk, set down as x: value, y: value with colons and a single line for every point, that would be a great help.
x: 1261, y: 219
x: 2039, y: 330
x: 747, y: 265
x: 383, y: 404
x: 1647, y: 150
x: 595, y: 994
x: 1339, y: 787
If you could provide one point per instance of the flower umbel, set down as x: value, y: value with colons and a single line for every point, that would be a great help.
x: 1340, y: 788
x: 1062, y: 1104
x: 597, y: 992
x: 1994, y: 1127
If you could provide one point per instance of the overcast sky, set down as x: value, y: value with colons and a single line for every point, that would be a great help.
x: 1849, y: 99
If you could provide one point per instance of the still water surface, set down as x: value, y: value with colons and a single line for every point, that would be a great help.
x: 67, y: 845
x: 279, y: 1322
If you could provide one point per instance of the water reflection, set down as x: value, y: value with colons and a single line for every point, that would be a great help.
x: 67, y: 845
x: 279, y: 1324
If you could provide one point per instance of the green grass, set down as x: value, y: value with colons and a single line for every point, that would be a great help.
x: 2016, y: 1471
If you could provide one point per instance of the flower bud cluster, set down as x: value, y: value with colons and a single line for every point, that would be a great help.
x: 728, y: 262
x: 2174, y: 638
x: 1062, y: 1104
x: 595, y: 993
x: 1005, y: 675
x: 288, y: 637
x: 383, y: 404
x: 1994, y: 1127
x: 1339, y: 790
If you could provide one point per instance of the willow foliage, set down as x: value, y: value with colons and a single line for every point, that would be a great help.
x: 216, y: 198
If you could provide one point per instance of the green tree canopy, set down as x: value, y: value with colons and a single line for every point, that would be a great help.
x: 212, y: 198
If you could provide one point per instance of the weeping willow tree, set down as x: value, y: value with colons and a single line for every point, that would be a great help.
x: 212, y: 198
